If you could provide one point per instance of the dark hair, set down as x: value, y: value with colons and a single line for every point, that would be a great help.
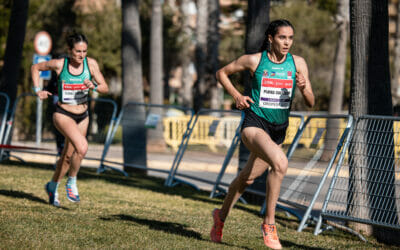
x: 76, y: 38
x: 272, y: 30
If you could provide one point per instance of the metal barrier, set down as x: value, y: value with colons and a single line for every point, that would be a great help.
x: 365, y: 187
x: 157, y: 124
x: 198, y: 162
x: 311, y: 157
x: 335, y: 133
x: 4, y: 105
x: 21, y: 133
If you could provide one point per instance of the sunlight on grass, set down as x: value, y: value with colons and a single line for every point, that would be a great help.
x: 136, y: 212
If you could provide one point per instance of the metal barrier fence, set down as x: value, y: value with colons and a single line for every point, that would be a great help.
x: 365, y: 187
x: 311, y: 156
x: 310, y: 166
x: 22, y: 132
x: 4, y: 106
x: 152, y: 131
x: 211, y: 142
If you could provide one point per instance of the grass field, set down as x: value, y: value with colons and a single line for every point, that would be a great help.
x: 134, y: 212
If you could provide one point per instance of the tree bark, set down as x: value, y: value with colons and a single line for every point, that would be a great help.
x: 156, y: 73
x: 14, y: 47
x: 371, y: 94
x: 200, y: 53
x: 134, y: 134
x: 338, y: 79
x: 212, y: 52
x: 396, y: 60
x: 186, y: 95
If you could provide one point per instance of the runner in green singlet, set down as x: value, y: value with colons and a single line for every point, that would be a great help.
x: 275, y: 75
x: 77, y: 74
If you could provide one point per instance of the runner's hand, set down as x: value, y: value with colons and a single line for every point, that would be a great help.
x: 89, y: 84
x: 43, y: 94
x: 242, y: 102
x: 300, y: 81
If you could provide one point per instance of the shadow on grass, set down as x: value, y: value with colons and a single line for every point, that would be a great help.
x: 23, y: 195
x: 168, y: 227
x: 140, y: 181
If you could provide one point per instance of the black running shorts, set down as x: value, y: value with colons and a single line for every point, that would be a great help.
x: 76, y: 117
x: 277, y: 132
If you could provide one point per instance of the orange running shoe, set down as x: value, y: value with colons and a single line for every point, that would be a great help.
x: 270, y: 236
x: 216, y: 230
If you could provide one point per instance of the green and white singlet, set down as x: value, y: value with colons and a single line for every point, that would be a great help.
x: 71, y: 89
x: 273, y: 88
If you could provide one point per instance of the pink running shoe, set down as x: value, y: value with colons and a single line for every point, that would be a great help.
x: 270, y: 236
x: 216, y: 230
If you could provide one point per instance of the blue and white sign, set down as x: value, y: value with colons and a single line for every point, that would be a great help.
x: 45, y: 75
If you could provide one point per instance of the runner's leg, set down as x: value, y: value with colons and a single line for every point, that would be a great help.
x: 75, y: 144
x: 77, y: 158
x: 261, y: 144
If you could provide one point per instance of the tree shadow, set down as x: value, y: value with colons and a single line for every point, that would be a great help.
x: 23, y: 195
x: 168, y: 227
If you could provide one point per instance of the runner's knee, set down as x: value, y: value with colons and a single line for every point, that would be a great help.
x: 280, y: 166
x: 245, y: 180
x: 81, y: 149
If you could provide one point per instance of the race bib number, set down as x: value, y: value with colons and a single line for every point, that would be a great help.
x: 74, y: 93
x: 275, y: 93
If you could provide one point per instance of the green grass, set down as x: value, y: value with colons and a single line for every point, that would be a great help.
x: 134, y: 212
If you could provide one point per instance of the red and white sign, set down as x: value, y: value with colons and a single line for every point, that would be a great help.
x: 42, y: 43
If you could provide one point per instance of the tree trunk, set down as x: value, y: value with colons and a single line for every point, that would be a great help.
x: 156, y: 73
x: 200, y: 53
x: 338, y: 79
x: 134, y: 134
x: 371, y: 94
x: 186, y: 95
x: 14, y: 47
x: 256, y: 25
x: 212, y: 52
x: 396, y: 60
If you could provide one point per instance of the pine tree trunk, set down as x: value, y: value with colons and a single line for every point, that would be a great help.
x: 186, y: 95
x: 212, y: 52
x: 14, y: 47
x: 371, y: 94
x: 200, y: 53
x: 338, y: 79
x: 133, y: 132
x: 396, y: 60
x: 155, y: 136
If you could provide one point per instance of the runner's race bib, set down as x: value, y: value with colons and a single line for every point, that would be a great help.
x: 275, y: 93
x: 74, y: 93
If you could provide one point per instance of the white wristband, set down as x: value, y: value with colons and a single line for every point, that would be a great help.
x: 36, y: 89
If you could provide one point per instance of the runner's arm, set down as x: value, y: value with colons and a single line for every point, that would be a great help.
x: 303, y: 81
x: 35, y: 74
x: 245, y: 62
x: 98, y: 77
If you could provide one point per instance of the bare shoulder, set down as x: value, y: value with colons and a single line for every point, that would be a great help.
x: 56, y: 64
x: 93, y: 65
x: 91, y: 61
x: 251, y: 61
x: 59, y: 62
x: 300, y: 62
